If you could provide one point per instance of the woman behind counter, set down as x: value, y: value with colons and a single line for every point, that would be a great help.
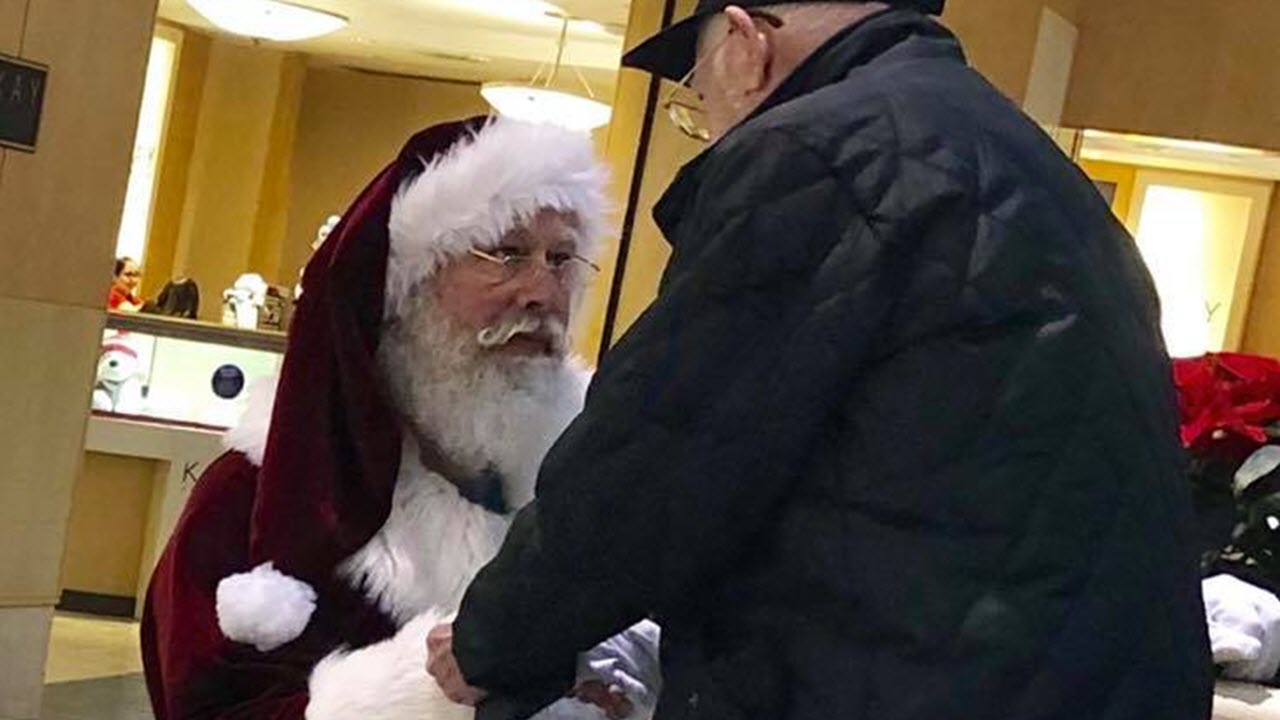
x: 124, y: 286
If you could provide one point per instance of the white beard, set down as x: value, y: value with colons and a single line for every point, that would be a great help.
x: 482, y: 408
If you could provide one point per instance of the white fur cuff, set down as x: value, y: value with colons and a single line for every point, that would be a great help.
x: 264, y: 608
x: 386, y: 681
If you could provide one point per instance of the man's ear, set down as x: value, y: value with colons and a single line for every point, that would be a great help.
x: 749, y: 51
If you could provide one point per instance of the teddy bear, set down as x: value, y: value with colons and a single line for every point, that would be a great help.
x: 119, y: 382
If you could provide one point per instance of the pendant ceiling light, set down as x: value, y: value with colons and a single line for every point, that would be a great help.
x: 536, y: 101
x: 268, y: 19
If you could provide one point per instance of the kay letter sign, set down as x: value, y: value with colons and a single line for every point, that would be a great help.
x: 22, y: 86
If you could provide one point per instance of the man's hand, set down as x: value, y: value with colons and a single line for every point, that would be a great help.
x: 443, y: 666
x: 611, y: 700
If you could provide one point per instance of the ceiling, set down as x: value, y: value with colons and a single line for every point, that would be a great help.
x: 469, y: 40
x: 1178, y: 154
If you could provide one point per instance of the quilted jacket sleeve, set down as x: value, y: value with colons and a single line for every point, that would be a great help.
x: 701, y: 418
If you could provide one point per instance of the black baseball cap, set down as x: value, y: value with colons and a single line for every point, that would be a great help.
x: 672, y: 52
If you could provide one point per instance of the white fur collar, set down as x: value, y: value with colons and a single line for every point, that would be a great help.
x: 432, y: 545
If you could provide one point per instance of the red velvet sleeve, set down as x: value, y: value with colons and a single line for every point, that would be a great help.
x: 192, y: 670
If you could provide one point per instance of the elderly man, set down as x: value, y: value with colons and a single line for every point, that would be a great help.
x: 426, y: 375
x: 896, y: 440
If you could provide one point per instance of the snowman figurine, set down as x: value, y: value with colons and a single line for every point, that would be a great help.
x: 119, y: 384
x: 242, y: 301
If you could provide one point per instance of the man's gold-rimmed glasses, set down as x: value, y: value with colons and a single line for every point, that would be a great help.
x: 686, y: 112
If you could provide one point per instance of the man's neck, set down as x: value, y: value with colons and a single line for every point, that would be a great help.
x: 811, y: 26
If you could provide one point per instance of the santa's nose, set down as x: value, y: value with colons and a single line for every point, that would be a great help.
x: 541, y: 292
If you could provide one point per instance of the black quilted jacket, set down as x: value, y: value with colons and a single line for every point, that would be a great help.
x: 897, y: 439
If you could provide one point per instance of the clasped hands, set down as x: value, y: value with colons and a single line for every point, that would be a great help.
x: 443, y: 666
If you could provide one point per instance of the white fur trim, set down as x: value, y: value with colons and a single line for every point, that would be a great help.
x: 432, y: 545
x: 264, y: 607
x: 249, y: 436
x: 476, y: 192
x: 385, y: 681
x: 389, y: 681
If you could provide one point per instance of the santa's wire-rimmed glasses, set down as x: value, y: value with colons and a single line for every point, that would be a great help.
x: 506, y: 264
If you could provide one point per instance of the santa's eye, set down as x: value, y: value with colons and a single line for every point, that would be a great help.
x: 510, y: 255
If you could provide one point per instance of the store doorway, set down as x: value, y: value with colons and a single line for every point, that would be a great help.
x: 1198, y: 212
x: 1200, y: 235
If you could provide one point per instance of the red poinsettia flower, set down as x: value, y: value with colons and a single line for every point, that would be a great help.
x: 1227, y: 400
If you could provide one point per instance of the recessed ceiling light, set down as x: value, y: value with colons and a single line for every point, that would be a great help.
x: 269, y: 19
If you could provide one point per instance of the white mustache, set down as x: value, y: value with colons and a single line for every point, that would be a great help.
x: 501, y: 333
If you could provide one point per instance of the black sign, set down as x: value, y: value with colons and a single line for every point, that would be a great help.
x: 22, y: 86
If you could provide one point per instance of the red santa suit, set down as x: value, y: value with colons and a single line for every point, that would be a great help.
x: 314, y: 556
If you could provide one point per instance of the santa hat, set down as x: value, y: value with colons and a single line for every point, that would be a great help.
x: 332, y: 455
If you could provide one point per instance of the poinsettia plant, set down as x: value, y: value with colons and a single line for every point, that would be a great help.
x: 1230, y: 425
x: 1229, y: 402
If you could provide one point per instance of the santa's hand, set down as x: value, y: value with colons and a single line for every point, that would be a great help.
x: 611, y: 699
x: 443, y: 666
x: 1244, y: 628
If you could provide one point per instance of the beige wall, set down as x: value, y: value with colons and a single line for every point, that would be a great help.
x: 270, y: 222
x: 241, y: 147
x: 999, y: 37
x: 1262, y: 330
x: 59, y: 212
x: 108, y: 520
x: 350, y: 126
x: 1179, y: 68
x: 1069, y: 9
x: 174, y: 168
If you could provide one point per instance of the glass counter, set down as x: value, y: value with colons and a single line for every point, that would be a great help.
x: 181, y: 372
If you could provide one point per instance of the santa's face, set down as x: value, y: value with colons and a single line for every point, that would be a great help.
x: 515, y: 298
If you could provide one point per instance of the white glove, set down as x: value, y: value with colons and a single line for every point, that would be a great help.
x: 629, y: 662
x: 1244, y: 628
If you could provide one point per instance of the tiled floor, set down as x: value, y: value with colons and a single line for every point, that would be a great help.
x: 94, y: 671
x: 84, y: 647
x: 113, y: 698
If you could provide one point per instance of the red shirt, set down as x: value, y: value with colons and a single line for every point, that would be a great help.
x: 121, y: 300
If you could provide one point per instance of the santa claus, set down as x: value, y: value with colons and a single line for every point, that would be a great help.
x: 427, y: 374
